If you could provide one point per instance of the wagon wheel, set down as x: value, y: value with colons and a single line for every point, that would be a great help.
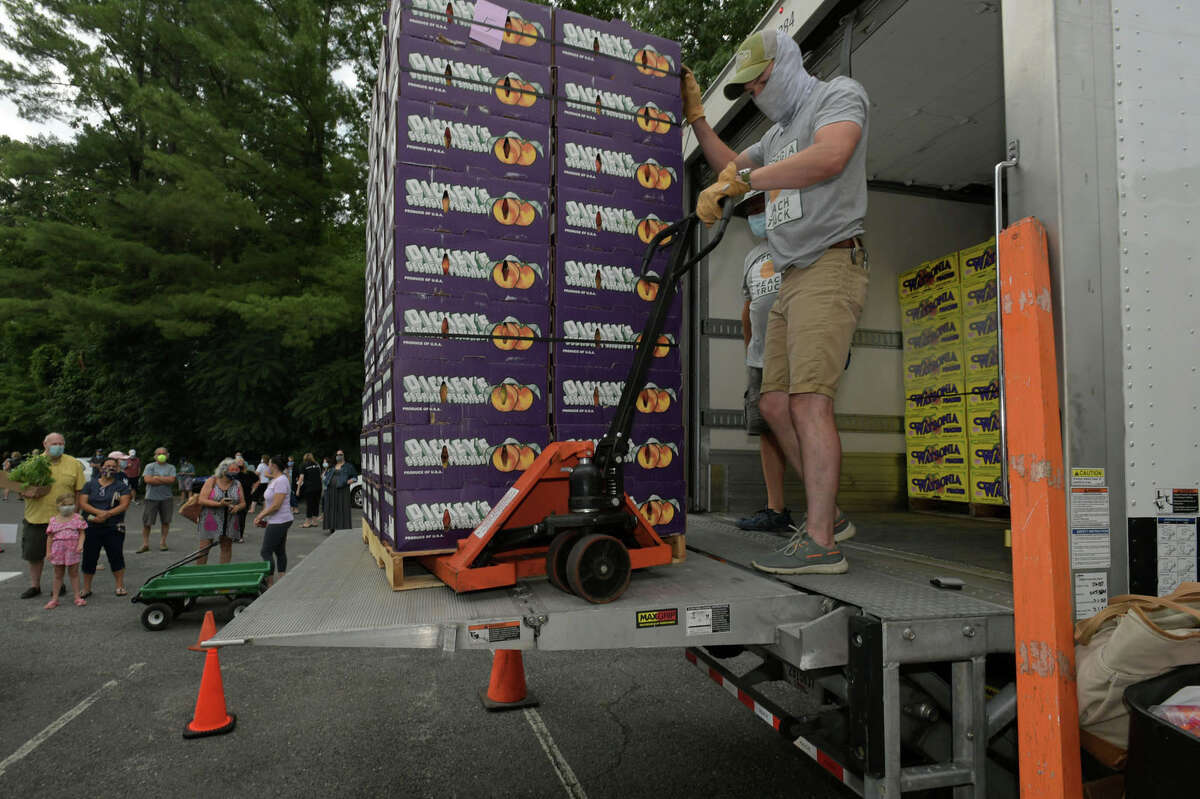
x: 556, y: 558
x: 157, y: 616
x: 239, y: 605
x: 598, y: 568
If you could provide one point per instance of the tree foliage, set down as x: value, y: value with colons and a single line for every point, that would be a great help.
x: 188, y: 270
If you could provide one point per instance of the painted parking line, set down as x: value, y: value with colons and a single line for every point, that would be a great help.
x: 63, y: 720
x: 7, y: 575
x: 563, y: 769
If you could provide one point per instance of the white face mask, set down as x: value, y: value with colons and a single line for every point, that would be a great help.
x: 325, y: 464
x: 66, y: 510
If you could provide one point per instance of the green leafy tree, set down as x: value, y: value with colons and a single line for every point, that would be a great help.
x: 188, y: 270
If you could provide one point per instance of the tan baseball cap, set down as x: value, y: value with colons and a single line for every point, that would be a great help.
x: 751, y: 58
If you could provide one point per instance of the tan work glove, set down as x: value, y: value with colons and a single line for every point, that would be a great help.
x: 727, y: 185
x: 693, y: 108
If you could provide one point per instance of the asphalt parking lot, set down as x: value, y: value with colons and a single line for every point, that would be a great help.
x: 93, y: 704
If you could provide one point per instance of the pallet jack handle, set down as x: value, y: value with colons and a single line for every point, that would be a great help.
x: 615, y: 443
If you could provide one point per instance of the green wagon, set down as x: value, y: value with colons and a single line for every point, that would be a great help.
x: 175, y: 590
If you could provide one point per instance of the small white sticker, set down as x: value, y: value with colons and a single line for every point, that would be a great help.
x: 707, y: 619
x: 1087, y: 476
x: 806, y: 747
x: 486, y: 525
x: 1090, y: 540
x: 1176, y: 547
x: 1091, y: 594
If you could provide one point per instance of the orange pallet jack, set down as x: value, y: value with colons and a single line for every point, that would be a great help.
x: 568, y: 515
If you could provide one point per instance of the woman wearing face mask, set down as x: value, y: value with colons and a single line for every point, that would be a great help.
x: 276, y: 516
x: 337, y: 493
x: 222, y: 498
x: 308, y: 486
x: 103, y: 501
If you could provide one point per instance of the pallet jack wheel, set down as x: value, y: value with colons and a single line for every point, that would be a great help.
x: 556, y: 558
x: 598, y: 568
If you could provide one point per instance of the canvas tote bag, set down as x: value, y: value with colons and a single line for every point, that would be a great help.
x: 1135, y: 638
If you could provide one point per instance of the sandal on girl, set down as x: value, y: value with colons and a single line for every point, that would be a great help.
x: 51, y: 605
x: 80, y: 601
x: 120, y: 592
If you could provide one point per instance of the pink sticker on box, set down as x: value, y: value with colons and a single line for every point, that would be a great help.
x: 491, y: 31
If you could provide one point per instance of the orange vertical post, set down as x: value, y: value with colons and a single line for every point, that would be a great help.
x: 1047, y: 706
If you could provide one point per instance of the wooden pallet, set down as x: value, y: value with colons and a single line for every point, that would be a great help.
x: 978, y: 510
x: 678, y: 547
x: 403, y: 571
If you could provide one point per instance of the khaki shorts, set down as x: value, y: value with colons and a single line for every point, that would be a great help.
x: 812, y: 322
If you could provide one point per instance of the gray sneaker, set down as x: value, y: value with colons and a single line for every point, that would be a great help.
x: 843, y: 528
x: 802, y: 555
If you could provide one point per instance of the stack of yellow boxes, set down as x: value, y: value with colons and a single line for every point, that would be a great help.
x: 982, y: 367
x: 935, y: 417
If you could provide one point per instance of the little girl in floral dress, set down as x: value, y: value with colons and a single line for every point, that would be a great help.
x: 64, y: 543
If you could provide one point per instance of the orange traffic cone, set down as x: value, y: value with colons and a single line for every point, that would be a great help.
x: 207, y: 630
x: 506, y: 688
x: 211, y: 717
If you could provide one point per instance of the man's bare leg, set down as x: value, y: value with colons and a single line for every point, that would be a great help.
x: 821, y: 448
x: 772, y: 467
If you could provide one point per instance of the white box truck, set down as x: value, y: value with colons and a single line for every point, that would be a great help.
x: 1079, y: 113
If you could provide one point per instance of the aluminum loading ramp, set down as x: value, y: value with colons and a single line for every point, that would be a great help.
x: 337, y: 597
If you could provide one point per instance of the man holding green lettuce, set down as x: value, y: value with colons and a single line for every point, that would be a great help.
x: 66, y: 477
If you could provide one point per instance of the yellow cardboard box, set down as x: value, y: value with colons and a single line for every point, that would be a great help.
x: 939, y: 483
x: 931, y: 306
x: 983, y: 451
x: 941, y: 452
x: 928, y: 425
x: 921, y: 396
x: 978, y: 262
x: 982, y: 388
x: 983, y: 419
x: 980, y: 327
x: 934, y: 338
x: 930, y: 276
x: 982, y: 359
x: 979, y: 293
x: 985, y: 486
x: 944, y: 365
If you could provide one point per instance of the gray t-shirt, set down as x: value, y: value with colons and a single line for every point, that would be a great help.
x: 155, y: 469
x: 760, y: 285
x: 803, y: 223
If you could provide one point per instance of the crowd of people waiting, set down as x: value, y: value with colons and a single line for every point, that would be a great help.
x: 72, y: 520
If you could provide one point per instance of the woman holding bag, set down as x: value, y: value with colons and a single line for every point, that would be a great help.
x: 220, y: 500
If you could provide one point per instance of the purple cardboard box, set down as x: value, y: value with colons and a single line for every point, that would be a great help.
x: 386, y: 457
x: 664, y: 505
x: 607, y: 338
x: 524, y: 31
x: 474, y: 142
x: 595, y: 279
x: 428, y: 262
x: 436, y: 518
x: 621, y: 168
x: 484, y: 207
x: 616, y: 50
x: 449, y: 328
x: 443, y: 391
x: 618, y: 110
x: 443, y: 73
x: 587, y: 220
x: 586, y: 395
x: 656, y: 458
x: 471, y: 453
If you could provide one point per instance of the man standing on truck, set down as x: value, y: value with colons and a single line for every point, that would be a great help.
x: 812, y: 165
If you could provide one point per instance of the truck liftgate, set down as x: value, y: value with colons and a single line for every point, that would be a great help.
x: 885, y: 655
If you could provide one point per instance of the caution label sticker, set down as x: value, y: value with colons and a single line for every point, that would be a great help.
x: 707, y: 619
x: 496, y: 632
x: 664, y: 617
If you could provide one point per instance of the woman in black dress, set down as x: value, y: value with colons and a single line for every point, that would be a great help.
x: 308, y: 486
x: 337, y: 493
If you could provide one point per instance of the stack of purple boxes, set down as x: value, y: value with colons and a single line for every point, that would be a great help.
x: 477, y: 148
